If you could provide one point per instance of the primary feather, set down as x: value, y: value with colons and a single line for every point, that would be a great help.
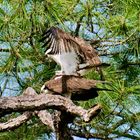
x: 71, y: 53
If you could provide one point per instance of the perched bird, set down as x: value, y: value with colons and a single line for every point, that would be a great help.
x: 74, y: 87
x: 73, y: 54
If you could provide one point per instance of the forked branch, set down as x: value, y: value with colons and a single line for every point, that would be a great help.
x: 29, y: 102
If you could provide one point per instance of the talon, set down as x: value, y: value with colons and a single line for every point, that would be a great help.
x: 44, y: 89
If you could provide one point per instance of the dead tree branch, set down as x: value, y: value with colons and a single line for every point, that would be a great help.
x: 46, y: 118
x: 44, y: 101
x: 16, y: 122
x: 29, y: 102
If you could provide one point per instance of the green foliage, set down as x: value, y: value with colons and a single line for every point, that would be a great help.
x: 26, y: 132
x: 116, y: 23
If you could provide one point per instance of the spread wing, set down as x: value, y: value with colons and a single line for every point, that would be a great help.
x: 59, y: 42
x: 90, y: 53
x: 69, y: 51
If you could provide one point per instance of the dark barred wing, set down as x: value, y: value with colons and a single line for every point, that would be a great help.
x: 49, y: 38
x: 59, y: 42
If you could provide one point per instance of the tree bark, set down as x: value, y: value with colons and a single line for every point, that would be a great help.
x: 31, y: 104
x: 61, y: 125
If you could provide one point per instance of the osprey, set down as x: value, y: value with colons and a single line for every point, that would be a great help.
x: 71, y: 86
x: 73, y: 54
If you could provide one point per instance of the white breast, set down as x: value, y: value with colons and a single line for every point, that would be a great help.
x: 68, y: 62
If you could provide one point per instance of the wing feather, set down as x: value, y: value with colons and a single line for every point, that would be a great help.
x: 59, y: 42
x: 68, y: 45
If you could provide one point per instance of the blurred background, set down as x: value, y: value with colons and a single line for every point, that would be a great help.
x: 112, y: 27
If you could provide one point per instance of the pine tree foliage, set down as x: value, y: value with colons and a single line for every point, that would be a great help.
x: 111, y: 26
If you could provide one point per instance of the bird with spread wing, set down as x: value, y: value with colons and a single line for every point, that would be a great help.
x: 73, y: 54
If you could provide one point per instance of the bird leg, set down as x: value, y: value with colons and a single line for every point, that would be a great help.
x: 82, y: 66
x: 60, y: 72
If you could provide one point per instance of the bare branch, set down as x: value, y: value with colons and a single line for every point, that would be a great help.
x: 4, y: 50
x: 108, y: 53
x: 87, y: 135
x: 44, y: 101
x: 16, y: 122
x: 43, y: 115
x: 78, y: 25
x: 46, y: 118
x: 133, y: 63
